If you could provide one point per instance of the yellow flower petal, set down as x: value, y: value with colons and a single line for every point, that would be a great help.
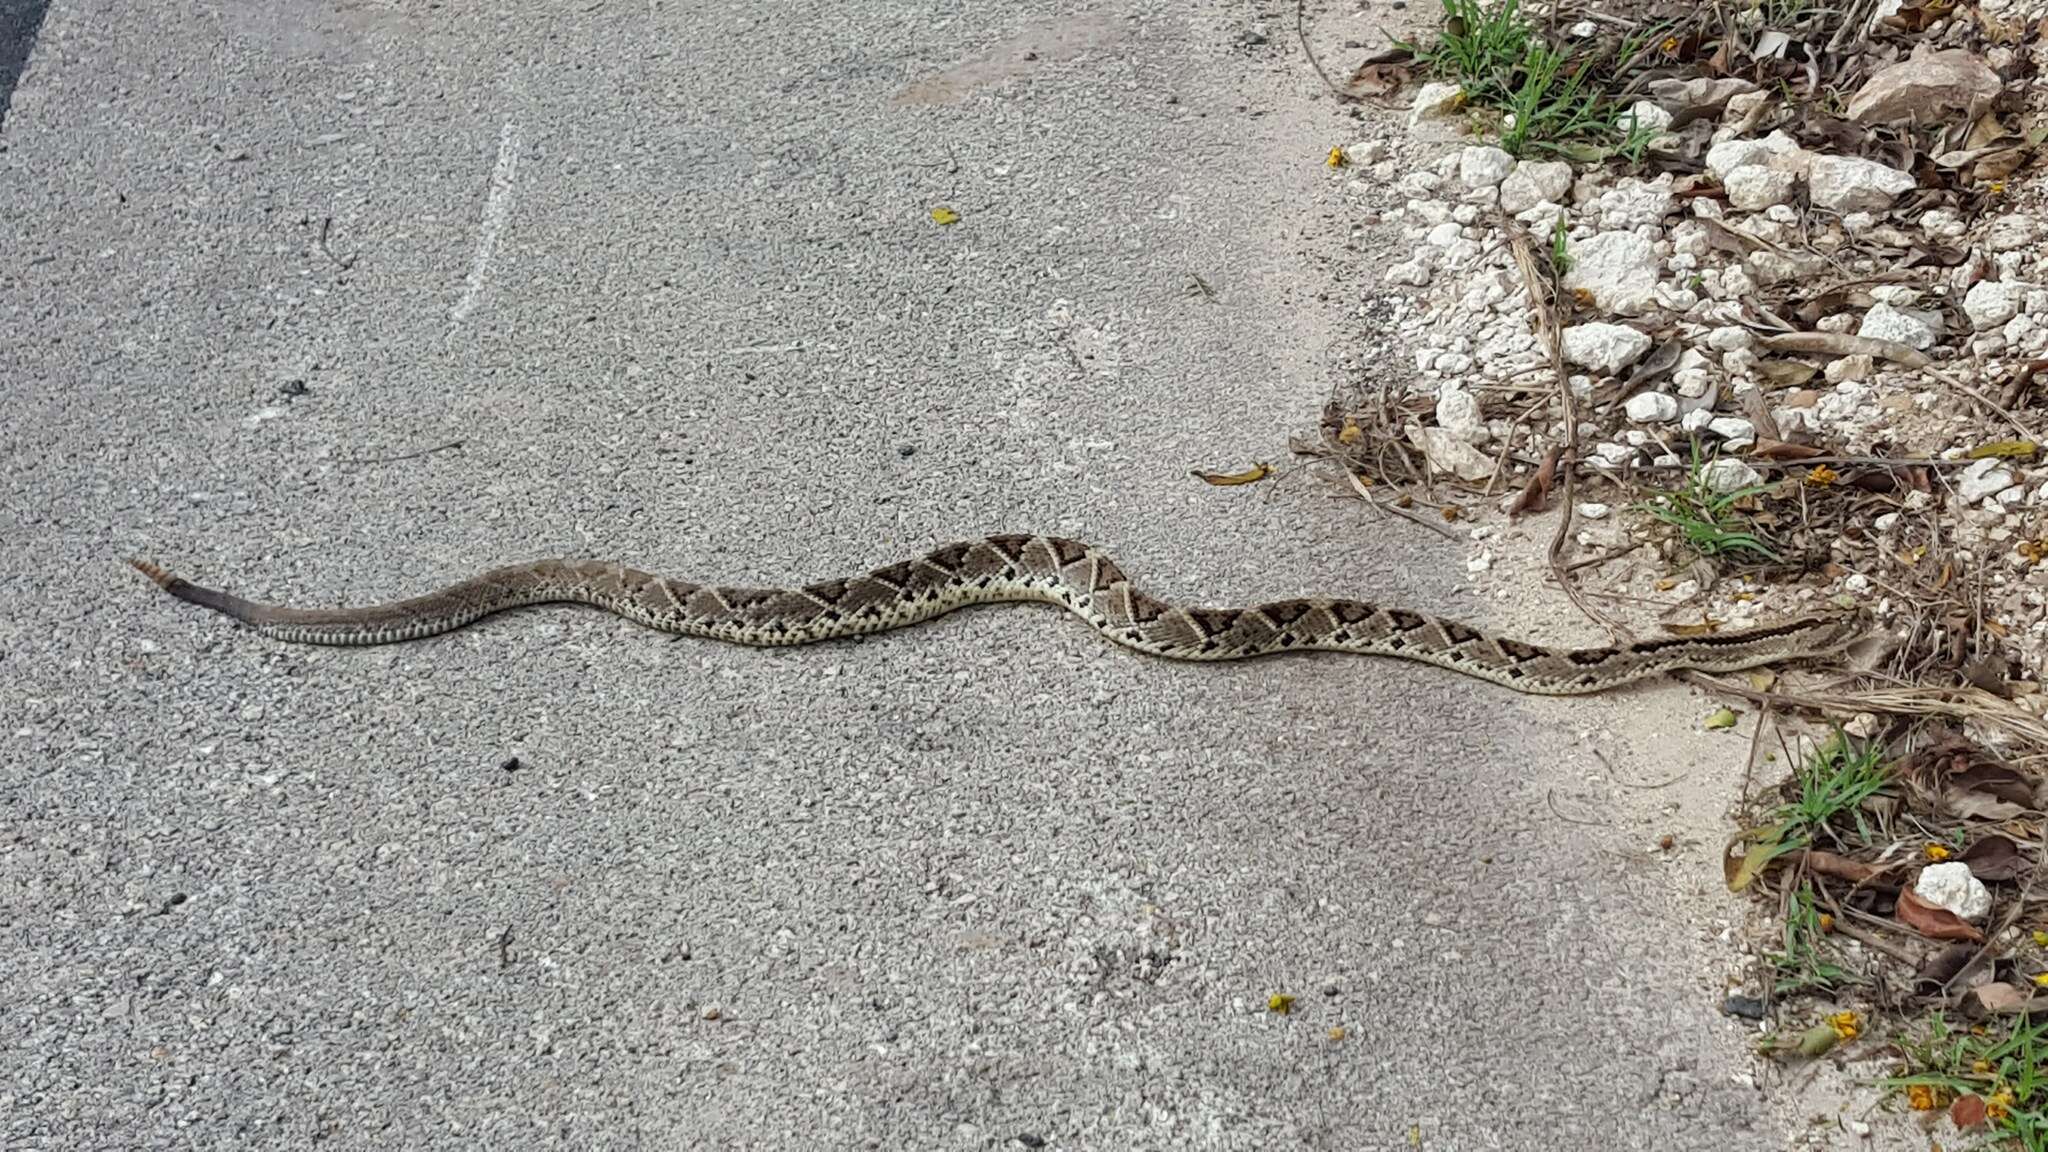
x: 1846, y: 1024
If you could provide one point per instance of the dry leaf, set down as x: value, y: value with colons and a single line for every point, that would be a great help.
x: 1994, y: 858
x: 1967, y: 1111
x: 1703, y: 628
x: 1786, y: 373
x: 1994, y: 780
x: 1830, y: 864
x: 1933, y: 922
x: 1941, y: 967
x: 1844, y: 344
x: 1765, y: 845
x: 1998, y: 996
x: 1251, y: 475
x: 943, y: 215
x: 1377, y: 79
x: 2004, y: 450
x: 1783, y: 450
x: 1536, y: 493
x: 1351, y: 432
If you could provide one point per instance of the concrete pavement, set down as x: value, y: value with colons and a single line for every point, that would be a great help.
x: 337, y: 304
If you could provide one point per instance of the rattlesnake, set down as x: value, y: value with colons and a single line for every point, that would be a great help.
x: 1049, y: 569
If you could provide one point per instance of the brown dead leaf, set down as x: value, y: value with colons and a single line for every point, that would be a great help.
x: 1994, y: 779
x: 1967, y: 1111
x: 1933, y: 922
x: 1379, y: 79
x: 1941, y: 965
x: 1994, y: 858
x: 1786, y: 373
x: 1535, y: 495
x: 1998, y: 996
x: 1997, y: 165
x: 1844, y: 344
x: 1251, y: 475
x: 1841, y: 867
x: 1703, y: 628
x: 1783, y: 450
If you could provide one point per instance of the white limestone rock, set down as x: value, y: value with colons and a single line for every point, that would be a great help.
x: 1953, y: 886
x: 1755, y: 187
x: 1853, y: 184
x: 1535, y: 182
x: 1605, y: 348
x: 1727, y: 475
x: 1618, y: 269
x: 1991, y: 303
x: 1907, y: 326
x: 1484, y: 166
x: 1651, y: 408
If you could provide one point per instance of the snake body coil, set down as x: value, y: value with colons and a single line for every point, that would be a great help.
x: 1049, y: 569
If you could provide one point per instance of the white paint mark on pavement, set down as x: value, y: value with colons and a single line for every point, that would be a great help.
x: 497, y: 210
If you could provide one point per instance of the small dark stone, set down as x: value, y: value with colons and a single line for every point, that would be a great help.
x: 293, y: 387
x: 511, y: 764
x: 1747, y: 1007
x: 906, y: 450
x: 1030, y: 1139
x: 178, y: 898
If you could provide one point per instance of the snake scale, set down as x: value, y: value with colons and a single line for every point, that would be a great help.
x: 1008, y: 568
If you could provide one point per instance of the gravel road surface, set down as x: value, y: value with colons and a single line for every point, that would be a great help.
x: 336, y: 302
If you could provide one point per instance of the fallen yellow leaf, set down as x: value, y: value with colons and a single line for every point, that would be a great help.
x: 1938, y: 852
x: 1762, y: 679
x: 2004, y: 450
x: 1336, y: 158
x: 2041, y: 938
x: 1350, y: 433
x: 1251, y: 475
x: 1280, y: 1003
x: 1337, y: 1033
x: 943, y: 215
x: 1820, y: 476
x: 1725, y: 718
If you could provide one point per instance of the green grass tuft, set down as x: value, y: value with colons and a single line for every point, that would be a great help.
x: 1707, y: 520
x: 1549, y: 100
x: 2003, y: 1061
